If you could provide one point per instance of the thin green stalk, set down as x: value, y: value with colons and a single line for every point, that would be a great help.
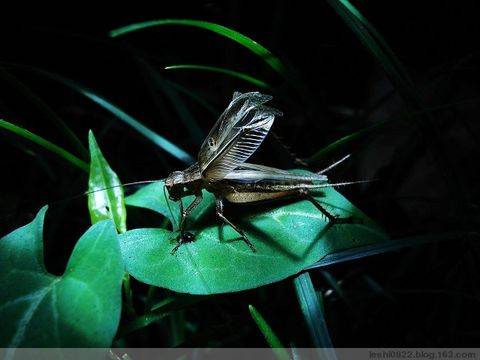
x: 127, y: 289
x: 235, y: 74
x: 269, y: 334
x: 72, y: 159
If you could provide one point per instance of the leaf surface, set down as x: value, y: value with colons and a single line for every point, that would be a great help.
x: 288, y: 237
x: 81, y: 308
x: 108, y: 203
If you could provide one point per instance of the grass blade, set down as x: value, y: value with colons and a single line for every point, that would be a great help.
x: 232, y: 73
x: 196, y: 133
x: 157, y: 139
x: 269, y: 334
x: 316, y: 158
x: 224, y: 31
x: 44, y: 143
x: 198, y: 99
x: 109, y: 203
x: 381, y: 248
x: 46, y: 110
x: 313, y: 314
x: 377, y: 46
x: 159, y: 311
x: 139, y: 323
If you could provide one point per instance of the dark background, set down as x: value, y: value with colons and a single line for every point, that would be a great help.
x: 427, y: 174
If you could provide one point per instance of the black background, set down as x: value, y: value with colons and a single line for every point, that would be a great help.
x: 427, y: 175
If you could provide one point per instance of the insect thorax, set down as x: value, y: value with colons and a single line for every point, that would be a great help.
x: 183, y: 183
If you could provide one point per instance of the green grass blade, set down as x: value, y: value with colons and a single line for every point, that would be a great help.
x: 316, y: 158
x: 385, y: 247
x: 72, y: 159
x: 269, y: 334
x: 157, y: 139
x: 313, y: 314
x: 46, y: 110
x: 159, y: 311
x: 232, y: 73
x: 224, y: 31
x: 334, y: 146
x: 108, y: 204
x: 191, y: 125
x: 139, y: 323
x: 377, y: 46
x: 198, y: 99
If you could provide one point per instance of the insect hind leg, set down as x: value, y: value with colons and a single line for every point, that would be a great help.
x: 219, y: 212
x: 333, y: 219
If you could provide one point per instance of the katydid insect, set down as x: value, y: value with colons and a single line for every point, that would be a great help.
x: 221, y: 168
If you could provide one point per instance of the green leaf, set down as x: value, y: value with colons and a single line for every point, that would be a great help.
x: 241, y: 39
x: 44, y: 143
x: 81, y: 308
x: 288, y: 237
x: 236, y: 74
x: 270, y: 336
x: 313, y: 314
x: 108, y: 203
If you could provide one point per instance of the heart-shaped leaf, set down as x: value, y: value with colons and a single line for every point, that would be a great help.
x: 108, y: 203
x: 288, y: 238
x: 81, y: 308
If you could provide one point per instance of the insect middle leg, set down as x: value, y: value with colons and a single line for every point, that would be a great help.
x: 219, y: 212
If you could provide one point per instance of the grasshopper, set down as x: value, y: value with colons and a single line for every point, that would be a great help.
x: 221, y: 168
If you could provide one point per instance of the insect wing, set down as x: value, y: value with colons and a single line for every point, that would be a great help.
x: 237, y: 134
x: 251, y: 173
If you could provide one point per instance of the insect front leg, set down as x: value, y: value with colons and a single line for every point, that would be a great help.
x: 186, y: 237
x: 184, y: 213
x: 334, y: 219
x: 219, y: 212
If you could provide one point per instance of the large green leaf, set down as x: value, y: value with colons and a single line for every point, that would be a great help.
x: 108, y: 203
x: 81, y: 308
x: 288, y: 237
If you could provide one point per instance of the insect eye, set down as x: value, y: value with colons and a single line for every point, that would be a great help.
x: 211, y: 142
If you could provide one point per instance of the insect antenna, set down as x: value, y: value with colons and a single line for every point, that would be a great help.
x: 333, y: 165
x: 103, y: 189
x: 167, y: 200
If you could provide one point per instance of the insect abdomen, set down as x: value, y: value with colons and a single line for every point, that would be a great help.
x: 250, y: 197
